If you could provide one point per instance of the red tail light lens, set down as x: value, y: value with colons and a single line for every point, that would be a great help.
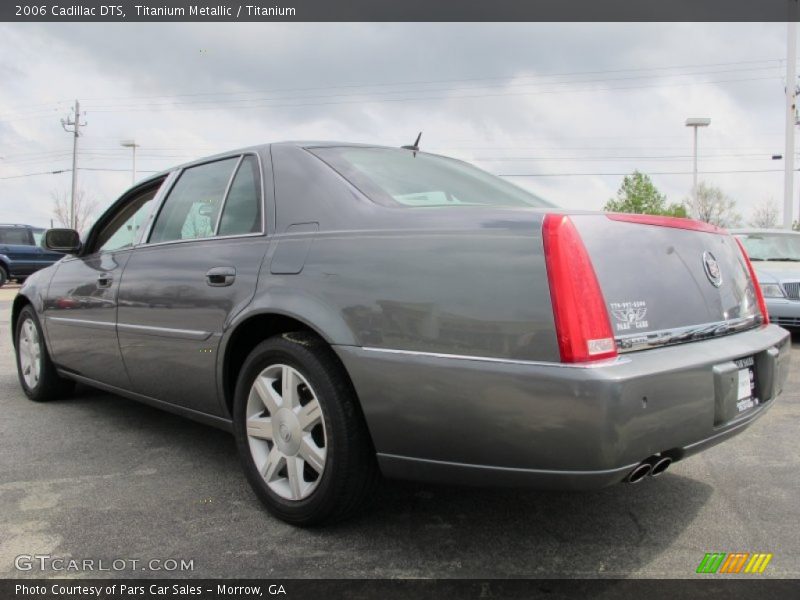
x: 581, y: 318
x: 762, y: 306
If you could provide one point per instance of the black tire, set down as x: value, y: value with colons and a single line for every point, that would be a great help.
x: 50, y: 386
x: 350, y: 473
x: 3, y: 276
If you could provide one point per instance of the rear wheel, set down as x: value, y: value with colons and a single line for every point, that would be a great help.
x: 37, y: 374
x: 3, y: 275
x: 300, y: 433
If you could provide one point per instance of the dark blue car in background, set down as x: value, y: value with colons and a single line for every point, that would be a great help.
x: 20, y: 252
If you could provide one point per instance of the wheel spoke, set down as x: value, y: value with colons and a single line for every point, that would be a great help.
x: 289, y: 387
x: 312, y: 454
x: 309, y: 415
x: 267, y: 394
x: 294, y: 469
x: 275, y: 460
x: 260, y: 427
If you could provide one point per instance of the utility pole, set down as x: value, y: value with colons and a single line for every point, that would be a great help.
x: 791, y: 115
x: 76, y: 125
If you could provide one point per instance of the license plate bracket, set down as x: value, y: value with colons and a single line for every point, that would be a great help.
x: 736, y: 388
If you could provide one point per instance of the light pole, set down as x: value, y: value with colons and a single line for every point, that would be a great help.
x: 133, y: 145
x: 695, y: 123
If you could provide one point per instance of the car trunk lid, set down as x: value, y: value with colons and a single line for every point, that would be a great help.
x: 667, y: 281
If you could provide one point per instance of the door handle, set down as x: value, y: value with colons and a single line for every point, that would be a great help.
x: 220, y: 276
x: 104, y: 280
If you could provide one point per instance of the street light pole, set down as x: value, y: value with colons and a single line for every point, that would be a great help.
x: 133, y: 145
x: 694, y: 123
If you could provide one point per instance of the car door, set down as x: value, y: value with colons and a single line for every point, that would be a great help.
x: 198, y: 268
x: 81, y: 303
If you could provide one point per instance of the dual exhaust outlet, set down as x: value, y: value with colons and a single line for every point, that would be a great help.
x: 652, y: 467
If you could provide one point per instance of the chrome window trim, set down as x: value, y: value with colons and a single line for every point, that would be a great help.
x: 145, y: 243
x: 612, y: 362
x: 226, y: 193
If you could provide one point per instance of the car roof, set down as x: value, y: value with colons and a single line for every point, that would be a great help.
x: 763, y: 230
x: 257, y: 148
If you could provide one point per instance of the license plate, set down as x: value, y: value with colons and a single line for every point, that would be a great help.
x: 745, y: 396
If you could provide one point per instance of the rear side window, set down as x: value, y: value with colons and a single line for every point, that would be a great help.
x: 242, y: 211
x: 15, y: 235
x: 191, y: 210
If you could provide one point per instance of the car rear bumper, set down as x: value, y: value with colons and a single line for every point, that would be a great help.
x: 783, y: 312
x: 493, y: 421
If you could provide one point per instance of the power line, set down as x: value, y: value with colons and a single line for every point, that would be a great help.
x: 371, y: 97
x: 39, y: 173
x: 101, y: 108
x: 648, y: 173
x: 462, y: 80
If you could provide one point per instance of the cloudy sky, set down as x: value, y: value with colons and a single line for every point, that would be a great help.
x: 575, y: 106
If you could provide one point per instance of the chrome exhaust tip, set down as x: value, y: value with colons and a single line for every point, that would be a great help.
x: 660, y: 465
x: 639, y: 473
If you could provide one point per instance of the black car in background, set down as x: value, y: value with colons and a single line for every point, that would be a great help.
x: 21, y: 253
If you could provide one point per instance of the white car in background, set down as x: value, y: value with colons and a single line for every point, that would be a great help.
x: 775, y: 254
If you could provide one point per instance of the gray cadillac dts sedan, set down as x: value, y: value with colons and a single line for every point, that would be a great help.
x: 351, y: 310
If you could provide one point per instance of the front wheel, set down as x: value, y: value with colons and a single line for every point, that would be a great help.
x: 300, y: 433
x: 3, y: 275
x: 37, y: 373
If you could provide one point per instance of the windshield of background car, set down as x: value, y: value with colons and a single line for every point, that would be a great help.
x: 394, y: 177
x: 772, y: 246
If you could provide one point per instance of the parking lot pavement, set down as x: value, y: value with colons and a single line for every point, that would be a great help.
x: 101, y: 477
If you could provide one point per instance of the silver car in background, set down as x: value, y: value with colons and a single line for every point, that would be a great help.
x: 775, y: 254
x: 348, y: 311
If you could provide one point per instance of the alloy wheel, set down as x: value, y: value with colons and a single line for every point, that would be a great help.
x: 30, y: 353
x: 286, y: 432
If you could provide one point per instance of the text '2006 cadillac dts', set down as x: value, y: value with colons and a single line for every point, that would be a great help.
x: 351, y: 310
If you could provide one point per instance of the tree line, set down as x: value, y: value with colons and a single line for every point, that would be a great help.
x: 710, y: 204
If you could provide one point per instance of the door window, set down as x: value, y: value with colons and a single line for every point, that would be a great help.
x: 242, y: 211
x: 122, y: 230
x: 192, y: 207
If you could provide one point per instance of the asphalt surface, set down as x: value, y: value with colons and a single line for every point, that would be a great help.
x: 101, y: 477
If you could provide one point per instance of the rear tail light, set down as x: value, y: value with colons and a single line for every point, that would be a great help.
x: 762, y: 306
x: 581, y: 318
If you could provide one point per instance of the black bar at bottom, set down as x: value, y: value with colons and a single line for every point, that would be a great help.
x: 705, y: 586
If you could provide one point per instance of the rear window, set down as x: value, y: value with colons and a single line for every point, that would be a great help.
x: 15, y: 235
x: 395, y: 177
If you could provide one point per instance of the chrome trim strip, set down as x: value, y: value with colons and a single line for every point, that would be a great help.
x: 692, y: 333
x: 183, y: 334
x: 509, y: 361
x: 104, y: 325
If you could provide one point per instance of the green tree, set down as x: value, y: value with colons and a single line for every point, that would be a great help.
x: 637, y: 194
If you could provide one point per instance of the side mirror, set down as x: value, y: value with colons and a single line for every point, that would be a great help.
x: 67, y: 241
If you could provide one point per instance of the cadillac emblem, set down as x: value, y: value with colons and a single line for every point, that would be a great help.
x: 711, y: 267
